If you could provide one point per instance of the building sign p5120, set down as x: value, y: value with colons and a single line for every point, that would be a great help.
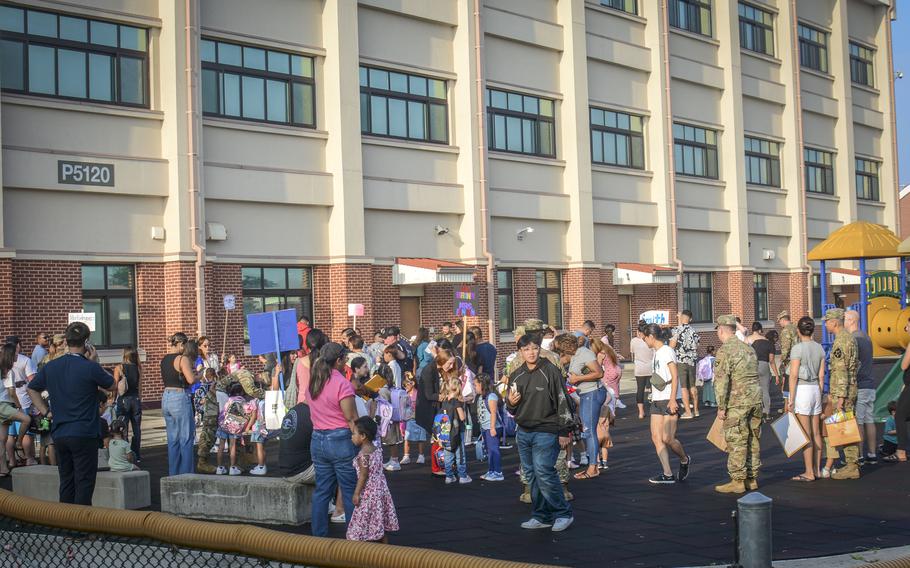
x: 85, y: 173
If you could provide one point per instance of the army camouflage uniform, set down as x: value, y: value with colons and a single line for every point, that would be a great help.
x: 739, y: 395
x: 211, y: 411
x: 842, y: 372
x: 788, y: 338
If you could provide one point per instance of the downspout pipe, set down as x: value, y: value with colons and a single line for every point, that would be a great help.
x: 891, y: 14
x: 482, y: 171
x: 192, y: 155
x: 801, y: 184
x: 671, y: 160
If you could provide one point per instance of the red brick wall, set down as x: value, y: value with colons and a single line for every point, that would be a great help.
x: 734, y: 294
x: 43, y: 293
x: 7, y: 308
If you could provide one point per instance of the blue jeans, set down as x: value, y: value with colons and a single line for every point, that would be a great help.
x: 493, y: 457
x: 181, y: 432
x: 589, y: 411
x: 538, y: 451
x: 333, y: 455
x: 453, y: 456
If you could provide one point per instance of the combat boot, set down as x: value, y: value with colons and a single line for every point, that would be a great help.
x: 735, y: 486
x: 566, y: 493
x: 751, y: 484
x: 203, y: 466
x: 526, y: 495
x: 849, y: 471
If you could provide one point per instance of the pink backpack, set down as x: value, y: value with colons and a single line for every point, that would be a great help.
x: 402, y: 407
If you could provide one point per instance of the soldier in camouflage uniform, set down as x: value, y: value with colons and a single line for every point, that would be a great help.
x: 513, y: 362
x: 788, y: 338
x: 842, y: 370
x: 739, y: 406
x: 210, y: 415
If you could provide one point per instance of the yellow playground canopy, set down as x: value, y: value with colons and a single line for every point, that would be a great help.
x: 904, y: 247
x: 859, y: 240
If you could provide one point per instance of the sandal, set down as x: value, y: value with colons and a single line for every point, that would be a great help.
x: 892, y: 459
x: 802, y: 478
x: 585, y: 475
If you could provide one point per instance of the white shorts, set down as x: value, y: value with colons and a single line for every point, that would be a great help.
x: 808, y: 400
x: 865, y: 406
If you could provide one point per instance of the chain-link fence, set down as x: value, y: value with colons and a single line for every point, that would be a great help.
x: 25, y: 545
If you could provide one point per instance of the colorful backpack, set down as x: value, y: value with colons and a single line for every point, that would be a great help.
x: 234, y: 418
x: 442, y: 428
x: 199, y: 398
x: 384, y: 413
x: 402, y: 409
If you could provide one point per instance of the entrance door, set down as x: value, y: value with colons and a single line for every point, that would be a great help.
x: 410, y: 316
x: 625, y: 325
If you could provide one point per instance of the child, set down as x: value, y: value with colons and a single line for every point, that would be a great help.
x: 453, y: 407
x: 607, y: 416
x: 705, y: 372
x: 360, y: 370
x: 488, y: 404
x: 413, y: 431
x: 199, y: 395
x: 392, y: 373
x: 120, y: 457
x: 258, y: 437
x: 374, y: 511
x: 235, y: 419
x: 889, y: 437
x: 232, y: 364
x: 105, y: 429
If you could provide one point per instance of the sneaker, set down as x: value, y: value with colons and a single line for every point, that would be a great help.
x: 684, y: 469
x: 562, y: 524
x: 470, y: 442
x: 259, y: 470
x: 421, y: 459
x: 450, y: 480
x: 826, y: 473
x: 339, y: 520
x: 220, y: 470
x: 571, y: 464
x: 214, y: 449
x: 535, y: 524
x: 505, y: 446
x: 872, y: 459
x: 860, y: 461
x: 687, y: 416
x: 393, y: 465
x: 493, y: 477
x: 465, y: 480
x: 234, y: 470
x: 697, y: 414
x: 405, y: 460
x: 602, y: 465
x: 439, y: 473
x: 662, y: 479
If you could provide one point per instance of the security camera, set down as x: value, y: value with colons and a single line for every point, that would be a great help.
x: 900, y: 74
x: 522, y: 232
x: 440, y: 230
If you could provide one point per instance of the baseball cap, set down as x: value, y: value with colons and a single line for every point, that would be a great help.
x: 834, y: 314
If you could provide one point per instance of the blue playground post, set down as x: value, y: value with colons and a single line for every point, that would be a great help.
x: 903, y: 264
x: 822, y: 281
x: 863, y: 295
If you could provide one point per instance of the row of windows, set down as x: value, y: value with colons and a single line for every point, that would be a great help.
x: 698, y: 296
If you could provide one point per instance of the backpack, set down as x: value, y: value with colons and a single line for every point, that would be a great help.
x: 235, y: 417
x: 199, y: 398
x: 384, y: 414
x: 442, y: 428
x: 705, y: 369
x: 402, y: 409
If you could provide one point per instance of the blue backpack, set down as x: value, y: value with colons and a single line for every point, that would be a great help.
x: 442, y: 428
x: 506, y: 421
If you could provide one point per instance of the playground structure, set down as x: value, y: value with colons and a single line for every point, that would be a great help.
x: 882, y: 305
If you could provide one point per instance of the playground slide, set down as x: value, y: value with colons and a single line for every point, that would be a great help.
x: 888, y: 389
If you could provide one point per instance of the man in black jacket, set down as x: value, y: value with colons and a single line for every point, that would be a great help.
x: 428, y: 402
x: 537, y: 399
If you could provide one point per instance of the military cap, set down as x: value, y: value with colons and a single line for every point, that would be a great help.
x: 534, y: 325
x: 519, y: 331
x: 783, y: 314
x: 834, y: 314
x: 729, y: 321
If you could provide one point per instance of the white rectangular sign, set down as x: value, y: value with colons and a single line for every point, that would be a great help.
x: 88, y: 318
x: 229, y: 302
x: 355, y: 310
x: 660, y: 317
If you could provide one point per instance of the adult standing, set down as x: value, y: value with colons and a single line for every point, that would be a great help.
x: 207, y: 358
x: 304, y: 326
x: 842, y: 384
x: 585, y: 374
x: 788, y: 338
x: 538, y: 401
x: 685, y: 341
x: 643, y: 357
x: 486, y: 353
x: 419, y: 345
x: 865, y: 387
x: 902, y: 413
x: 428, y: 400
x: 22, y: 374
x: 176, y: 403
x: 129, y: 404
x: 665, y: 406
x: 739, y: 405
x: 807, y: 383
x: 41, y: 349
x: 72, y: 383
x: 295, y: 458
x: 330, y: 397
x: 764, y: 351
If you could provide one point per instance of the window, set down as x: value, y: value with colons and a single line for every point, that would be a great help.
x: 695, y: 151
x: 697, y: 296
x: 616, y: 139
x: 760, y: 285
x: 756, y: 29
x: 819, y: 171
x: 268, y: 289
x: 549, y: 297
x: 762, y: 162
x: 622, y: 5
x: 504, y: 300
x: 43, y: 53
x: 813, y: 48
x: 520, y: 123
x: 867, y: 179
x: 257, y: 84
x: 861, y: 69
x: 816, y: 297
x: 691, y: 15
x: 109, y: 293
x: 401, y: 105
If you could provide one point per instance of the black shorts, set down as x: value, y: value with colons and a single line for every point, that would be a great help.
x: 659, y: 407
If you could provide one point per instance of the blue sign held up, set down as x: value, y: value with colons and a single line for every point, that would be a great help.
x: 273, y: 332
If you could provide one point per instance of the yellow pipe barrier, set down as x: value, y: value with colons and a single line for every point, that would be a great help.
x: 238, y: 538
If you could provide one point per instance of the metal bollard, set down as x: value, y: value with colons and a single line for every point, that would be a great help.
x: 754, y: 520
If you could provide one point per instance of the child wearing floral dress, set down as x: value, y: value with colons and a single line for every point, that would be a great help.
x: 374, y: 512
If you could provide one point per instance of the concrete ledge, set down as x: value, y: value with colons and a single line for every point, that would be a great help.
x: 267, y: 500
x: 113, y: 489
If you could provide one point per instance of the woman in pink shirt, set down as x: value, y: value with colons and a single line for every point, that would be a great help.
x: 330, y: 397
